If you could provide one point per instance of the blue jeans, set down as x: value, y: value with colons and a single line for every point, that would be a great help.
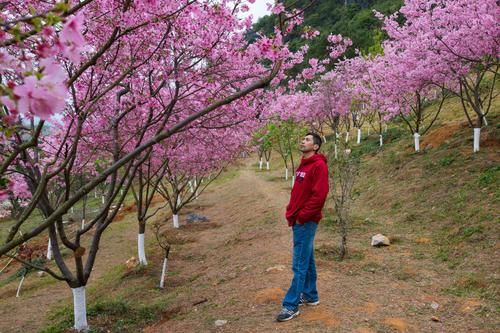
x: 303, y: 266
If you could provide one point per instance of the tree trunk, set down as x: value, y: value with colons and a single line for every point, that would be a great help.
x: 163, y: 272
x: 416, y: 136
x: 140, y: 244
x: 20, y: 284
x: 175, y: 219
x: 260, y: 164
x: 196, y: 189
x: 267, y: 165
x: 286, y: 173
x: 477, y: 137
x: 49, y: 250
x: 381, y: 140
x: 80, y: 309
x: 359, y: 136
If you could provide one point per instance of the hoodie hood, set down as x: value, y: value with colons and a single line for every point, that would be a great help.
x: 312, y: 159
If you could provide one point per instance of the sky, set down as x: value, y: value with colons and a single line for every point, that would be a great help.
x: 259, y: 9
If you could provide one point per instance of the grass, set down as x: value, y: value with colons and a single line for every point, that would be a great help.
x: 470, y: 285
x: 445, y: 193
x: 109, y: 315
x: 36, y: 217
x: 489, y: 177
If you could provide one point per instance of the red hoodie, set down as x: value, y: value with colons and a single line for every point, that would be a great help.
x: 309, y: 191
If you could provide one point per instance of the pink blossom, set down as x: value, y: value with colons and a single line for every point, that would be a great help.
x: 72, y: 39
x: 42, y: 98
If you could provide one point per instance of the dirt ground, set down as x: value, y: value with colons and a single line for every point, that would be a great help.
x: 245, y: 269
x: 238, y: 266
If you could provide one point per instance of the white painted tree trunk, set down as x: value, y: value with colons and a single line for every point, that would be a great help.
x: 141, y: 250
x: 260, y: 164
x: 95, y: 194
x: 286, y: 173
x: 19, y: 286
x: 293, y: 180
x: 121, y: 192
x: 83, y: 223
x: 336, y: 151
x: 381, y: 140
x: 175, y: 218
x: 196, y: 187
x: 7, y: 265
x: 49, y: 250
x: 416, y: 136
x: 102, y: 199
x: 163, y: 272
x: 477, y: 137
x: 72, y: 210
x: 359, y: 136
x: 80, y: 309
x: 267, y: 165
x: 368, y: 131
x: 346, y: 137
x: 324, y: 139
x: 191, y: 186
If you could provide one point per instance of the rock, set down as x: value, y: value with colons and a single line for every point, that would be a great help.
x: 220, y: 322
x: 434, y: 318
x: 434, y: 305
x: 380, y: 240
x: 131, y: 263
x: 276, y: 268
x: 194, y: 218
x: 40, y: 273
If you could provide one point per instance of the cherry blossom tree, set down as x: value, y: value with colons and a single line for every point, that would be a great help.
x: 460, y: 40
x: 78, y: 82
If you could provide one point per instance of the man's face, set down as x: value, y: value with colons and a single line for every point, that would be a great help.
x: 307, y: 144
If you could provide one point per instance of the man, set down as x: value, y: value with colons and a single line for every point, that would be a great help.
x: 303, y: 214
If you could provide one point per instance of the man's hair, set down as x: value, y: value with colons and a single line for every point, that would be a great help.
x: 316, y: 139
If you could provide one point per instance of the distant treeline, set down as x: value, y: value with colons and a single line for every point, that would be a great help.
x: 350, y: 18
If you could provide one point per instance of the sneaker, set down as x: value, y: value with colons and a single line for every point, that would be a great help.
x: 286, y: 314
x: 303, y: 301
